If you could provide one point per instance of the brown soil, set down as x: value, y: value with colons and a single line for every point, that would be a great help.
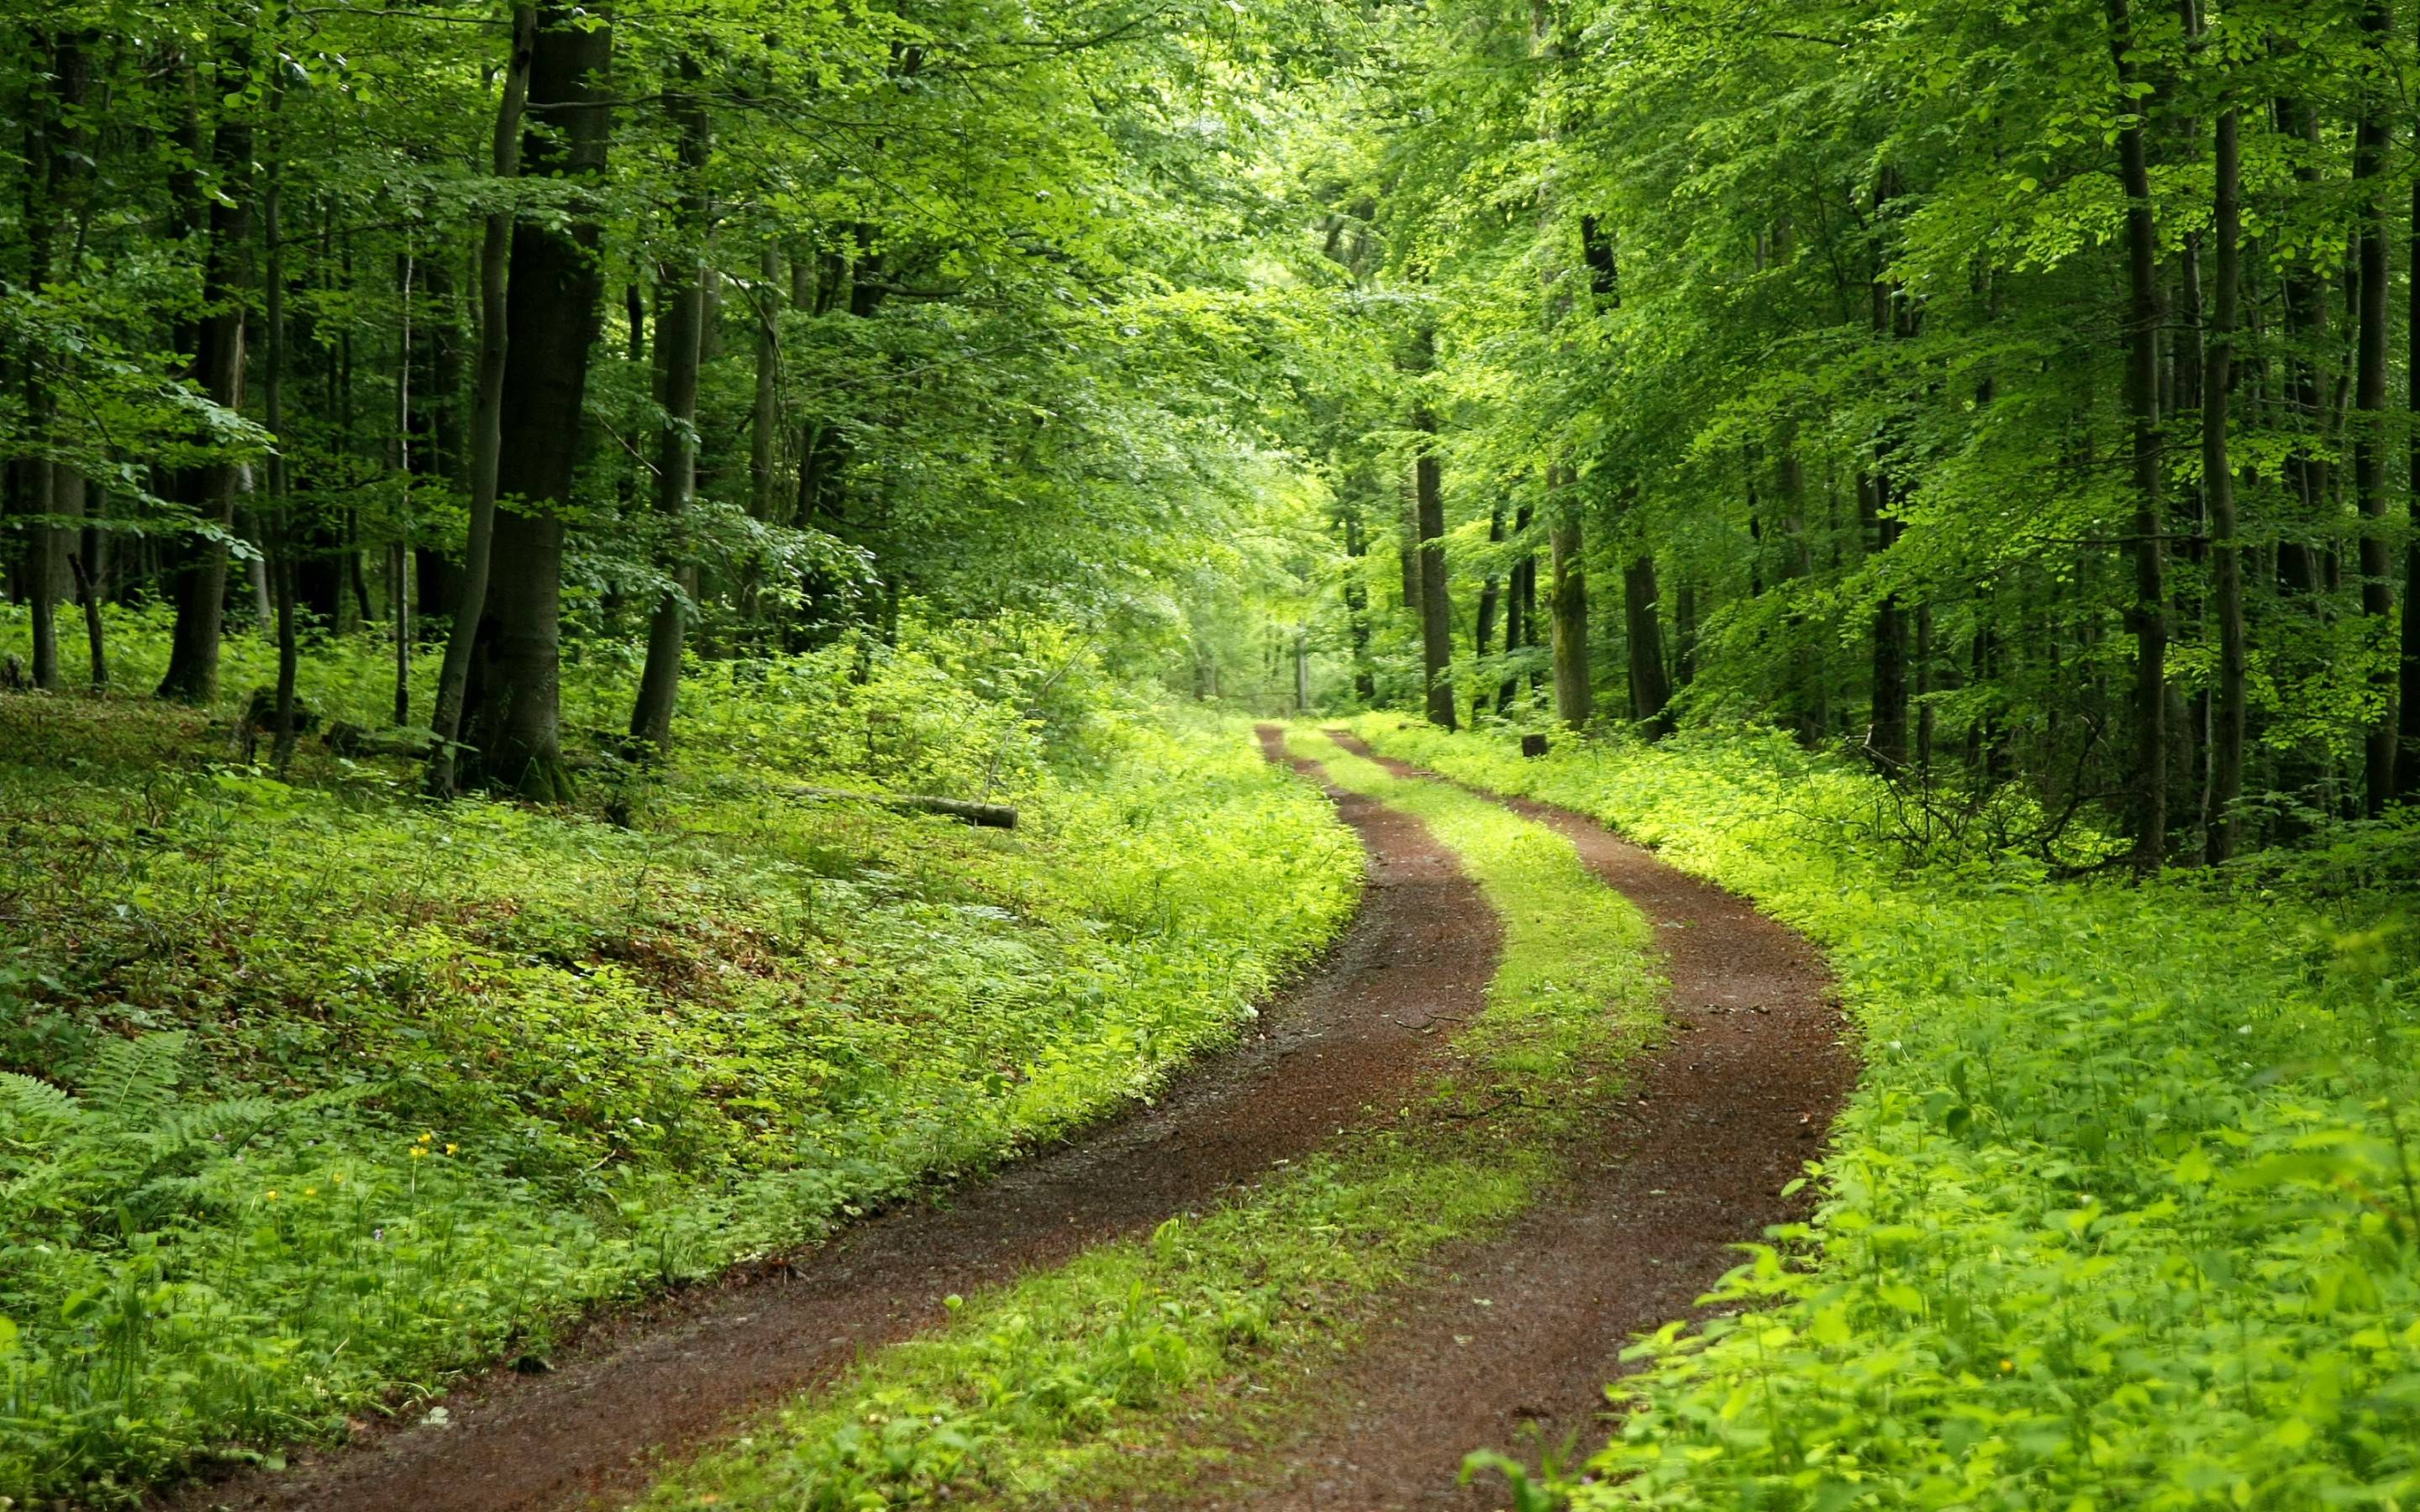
x: 651, y: 1386
x: 1509, y: 1344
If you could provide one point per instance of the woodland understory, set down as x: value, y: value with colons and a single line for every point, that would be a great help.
x: 628, y: 632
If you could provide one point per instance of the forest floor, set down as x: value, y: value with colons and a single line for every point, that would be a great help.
x: 1504, y: 1341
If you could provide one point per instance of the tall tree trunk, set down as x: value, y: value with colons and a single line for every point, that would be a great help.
x: 1491, y: 594
x: 2227, y: 715
x: 197, y: 584
x: 1650, y: 688
x: 513, y: 703
x: 1520, y: 606
x: 89, y: 594
x: 2150, y: 609
x: 399, y: 598
x: 1575, y: 696
x: 766, y: 417
x: 1437, y: 609
x: 2407, y: 762
x: 680, y: 330
x: 2306, y: 318
x: 486, y: 412
x: 1357, y: 605
x: 1887, y: 729
x: 2371, y: 139
x: 56, y: 174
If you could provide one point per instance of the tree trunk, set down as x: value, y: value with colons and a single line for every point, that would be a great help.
x: 88, y: 592
x: 1573, y: 695
x: 197, y: 581
x: 1356, y: 606
x: 2149, y: 609
x: 1437, y: 609
x: 680, y: 330
x: 41, y: 566
x: 2371, y: 139
x: 766, y: 418
x: 2406, y: 763
x: 1650, y: 688
x: 2227, y: 716
x: 2306, y: 319
x: 1520, y: 606
x: 1491, y: 594
x: 512, y: 698
x: 486, y: 412
x: 1886, y: 728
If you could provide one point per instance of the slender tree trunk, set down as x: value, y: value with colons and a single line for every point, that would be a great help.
x: 680, y: 330
x: 2227, y: 716
x: 1574, y: 697
x: 2372, y: 137
x: 2406, y: 763
x: 1886, y: 730
x: 487, y: 411
x: 53, y: 175
x: 2306, y: 319
x: 1357, y: 605
x: 2149, y: 609
x: 41, y: 566
x: 765, y: 419
x: 1437, y: 609
x: 1650, y: 689
x: 89, y: 594
x: 198, y: 580
x: 1490, y: 593
x: 1520, y: 606
x: 512, y: 704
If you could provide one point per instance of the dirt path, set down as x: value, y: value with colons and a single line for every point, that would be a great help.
x: 656, y: 1384
x: 1509, y: 1344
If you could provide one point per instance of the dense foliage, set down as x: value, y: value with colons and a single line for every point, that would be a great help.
x: 2013, y: 391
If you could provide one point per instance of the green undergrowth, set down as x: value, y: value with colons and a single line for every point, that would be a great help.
x: 1140, y: 1364
x: 2125, y: 1212
x: 313, y: 1094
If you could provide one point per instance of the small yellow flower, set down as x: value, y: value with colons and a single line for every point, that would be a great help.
x: 272, y: 1194
x: 428, y: 1135
x: 310, y: 1191
x: 451, y: 1149
x: 337, y: 1179
x: 418, y: 1153
x: 2006, y: 1367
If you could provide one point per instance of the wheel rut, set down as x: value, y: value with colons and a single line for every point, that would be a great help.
x: 1508, y: 1344
x: 648, y: 1387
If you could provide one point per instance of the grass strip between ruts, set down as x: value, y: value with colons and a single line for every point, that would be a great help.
x: 1140, y: 1363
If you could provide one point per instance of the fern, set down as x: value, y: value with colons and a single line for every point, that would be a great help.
x: 131, y: 1081
x: 125, y: 1149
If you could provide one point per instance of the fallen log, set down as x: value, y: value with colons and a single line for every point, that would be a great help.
x: 982, y: 815
x: 347, y: 740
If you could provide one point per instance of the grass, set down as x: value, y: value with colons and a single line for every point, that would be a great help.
x: 312, y: 1094
x: 2124, y: 1213
x: 1137, y: 1365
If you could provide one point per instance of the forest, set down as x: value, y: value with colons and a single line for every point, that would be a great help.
x: 1487, y: 754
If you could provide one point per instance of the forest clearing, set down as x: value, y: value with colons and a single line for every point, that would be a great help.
x: 1328, y: 754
